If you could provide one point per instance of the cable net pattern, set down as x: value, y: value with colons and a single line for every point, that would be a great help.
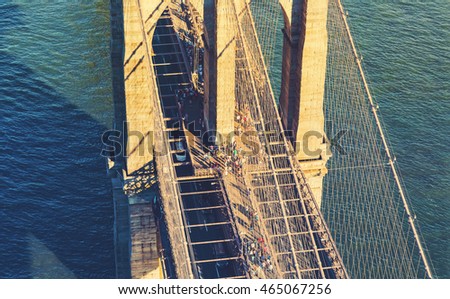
x: 364, y: 202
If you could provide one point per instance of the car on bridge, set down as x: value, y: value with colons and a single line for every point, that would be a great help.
x: 181, y: 156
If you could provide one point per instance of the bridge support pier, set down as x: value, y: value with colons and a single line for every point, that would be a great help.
x: 303, y: 84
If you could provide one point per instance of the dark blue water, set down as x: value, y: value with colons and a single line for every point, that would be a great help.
x: 56, y: 214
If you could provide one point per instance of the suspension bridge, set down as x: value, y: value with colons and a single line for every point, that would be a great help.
x: 244, y: 182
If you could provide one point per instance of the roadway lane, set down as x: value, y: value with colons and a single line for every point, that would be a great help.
x: 212, y: 241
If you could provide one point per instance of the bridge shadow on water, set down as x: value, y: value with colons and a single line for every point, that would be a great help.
x: 56, y: 211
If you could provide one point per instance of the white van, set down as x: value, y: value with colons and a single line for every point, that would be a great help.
x: 181, y: 157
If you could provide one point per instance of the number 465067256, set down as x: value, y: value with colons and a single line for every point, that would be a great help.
x: 295, y: 289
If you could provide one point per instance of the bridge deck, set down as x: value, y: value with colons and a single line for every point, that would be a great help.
x: 272, y: 227
x: 212, y: 239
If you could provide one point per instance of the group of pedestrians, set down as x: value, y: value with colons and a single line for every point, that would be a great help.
x: 193, y: 44
x: 258, y: 254
x: 184, y: 97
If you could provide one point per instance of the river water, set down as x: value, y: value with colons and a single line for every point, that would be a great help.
x: 56, y: 213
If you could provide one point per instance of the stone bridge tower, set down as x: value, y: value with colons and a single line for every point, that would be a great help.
x: 303, y: 84
x: 220, y: 31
